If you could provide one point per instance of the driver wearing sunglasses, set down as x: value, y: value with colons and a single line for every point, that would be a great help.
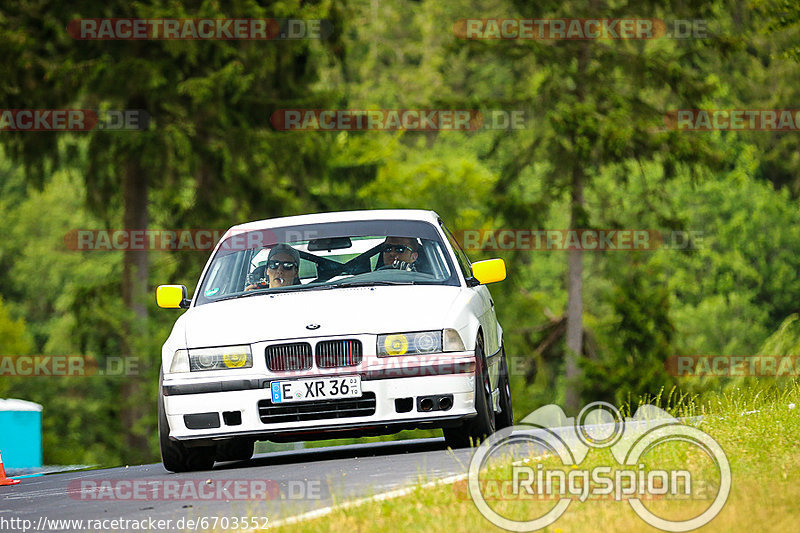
x: 283, y: 264
x: 400, y: 252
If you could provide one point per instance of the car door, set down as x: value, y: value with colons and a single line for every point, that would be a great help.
x: 486, y: 314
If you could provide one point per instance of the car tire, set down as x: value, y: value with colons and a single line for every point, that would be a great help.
x: 235, y: 450
x: 483, y: 424
x: 174, y: 455
x: 505, y: 418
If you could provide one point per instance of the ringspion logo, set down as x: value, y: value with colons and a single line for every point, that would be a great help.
x: 599, y: 425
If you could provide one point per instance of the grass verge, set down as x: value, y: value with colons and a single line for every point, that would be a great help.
x: 757, y: 426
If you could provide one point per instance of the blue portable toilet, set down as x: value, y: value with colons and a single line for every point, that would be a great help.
x: 21, y: 434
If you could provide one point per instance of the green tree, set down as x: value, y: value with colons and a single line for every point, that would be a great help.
x: 209, y: 101
x: 14, y: 339
x: 591, y: 106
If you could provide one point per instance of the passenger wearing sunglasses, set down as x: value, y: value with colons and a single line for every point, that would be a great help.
x: 283, y: 264
x: 400, y: 253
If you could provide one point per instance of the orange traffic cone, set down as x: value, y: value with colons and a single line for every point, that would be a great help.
x: 3, y: 479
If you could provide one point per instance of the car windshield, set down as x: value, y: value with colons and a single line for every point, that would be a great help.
x: 336, y: 254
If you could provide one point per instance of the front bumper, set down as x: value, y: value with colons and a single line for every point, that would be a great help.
x: 185, y: 399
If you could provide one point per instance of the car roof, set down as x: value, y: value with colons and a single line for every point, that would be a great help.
x: 338, y: 216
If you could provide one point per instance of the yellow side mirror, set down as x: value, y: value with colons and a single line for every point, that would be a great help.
x: 489, y: 271
x: 171, y: 297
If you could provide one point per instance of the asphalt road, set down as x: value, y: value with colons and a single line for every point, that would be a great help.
x: 296, y: 482
x: 267, y: 489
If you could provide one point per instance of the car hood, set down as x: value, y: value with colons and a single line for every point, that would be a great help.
x: 343, y: 311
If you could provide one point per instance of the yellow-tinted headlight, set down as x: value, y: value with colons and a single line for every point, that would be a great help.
x: 395, y: 344
x: 414, y: 343
x: 221, y: 358
x: 235, y: 360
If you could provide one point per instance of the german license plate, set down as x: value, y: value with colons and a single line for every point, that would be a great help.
x: 305, y: 390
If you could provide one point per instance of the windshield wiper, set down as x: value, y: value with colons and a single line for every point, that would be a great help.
x: 275, y: 290
x: 257, y: 292
x: 370, y: 283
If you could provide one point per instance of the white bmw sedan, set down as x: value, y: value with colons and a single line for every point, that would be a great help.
x: 331, y: 325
